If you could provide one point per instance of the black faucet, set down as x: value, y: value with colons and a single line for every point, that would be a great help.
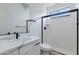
x: 17, y: 35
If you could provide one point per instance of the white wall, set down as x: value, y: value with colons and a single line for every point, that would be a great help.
x: 12, y: 15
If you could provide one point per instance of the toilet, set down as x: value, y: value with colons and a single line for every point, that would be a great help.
x: 45, y: 49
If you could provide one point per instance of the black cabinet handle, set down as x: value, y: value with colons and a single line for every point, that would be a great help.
x: 37, y: 43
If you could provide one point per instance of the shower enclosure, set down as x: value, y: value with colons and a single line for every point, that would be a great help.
x: 63, y: 32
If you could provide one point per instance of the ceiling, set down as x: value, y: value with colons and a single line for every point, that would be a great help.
x: 26, y: 5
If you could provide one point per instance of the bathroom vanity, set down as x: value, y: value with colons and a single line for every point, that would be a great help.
x: 21, y: 46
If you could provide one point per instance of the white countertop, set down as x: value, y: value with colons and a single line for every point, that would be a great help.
x: 8, y: 45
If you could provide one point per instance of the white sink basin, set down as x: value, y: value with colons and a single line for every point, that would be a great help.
x: 14, y: 41
x: 25, y: 38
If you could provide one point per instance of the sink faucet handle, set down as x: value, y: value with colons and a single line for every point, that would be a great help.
x: 17, y: 35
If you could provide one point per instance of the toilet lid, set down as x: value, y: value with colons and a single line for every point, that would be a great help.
x: 45, y: 46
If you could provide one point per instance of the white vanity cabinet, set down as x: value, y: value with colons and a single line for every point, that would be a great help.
x: 31, y: 48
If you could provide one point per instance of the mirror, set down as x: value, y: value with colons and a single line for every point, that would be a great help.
x: 13, y: 17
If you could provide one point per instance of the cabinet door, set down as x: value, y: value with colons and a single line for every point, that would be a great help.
x: 14, y: 52
x: 35, y: 50
x: 25, y: 49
